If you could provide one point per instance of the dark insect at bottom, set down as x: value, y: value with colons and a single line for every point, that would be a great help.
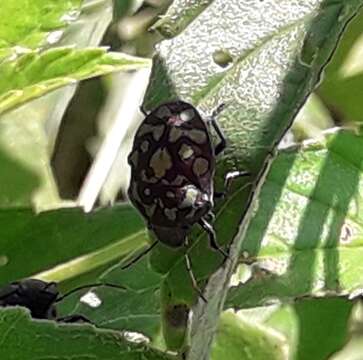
x: 40, y: 298
x: 172, y: 174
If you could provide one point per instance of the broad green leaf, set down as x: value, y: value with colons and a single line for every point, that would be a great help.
x: 306, y: 235
x: 237, y: 339
x: 262, y: 66
x: 30, y: 243
x: 34, y: 24
x: 342, y: 88
x: 136, y: 308
x: 35, y: 74
x: 50, y: 340
x: 323, y: 327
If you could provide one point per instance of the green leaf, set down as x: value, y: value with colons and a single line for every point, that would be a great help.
x: 28, y: 178
x: 344, y: 75
x: 35, y: 74
x: 41, y: 241
x: 180, y: 14
x: 48, y: 339
x: 34, y: 24
x: 306, y: 235
x: 317, y: 319
x: 263, y: 70
x: 312, y: 119
x: 238, y: 339
x: 136, y: 308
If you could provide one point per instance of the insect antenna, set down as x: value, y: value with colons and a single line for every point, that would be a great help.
x: 62, y: 297
x: 138, y: 257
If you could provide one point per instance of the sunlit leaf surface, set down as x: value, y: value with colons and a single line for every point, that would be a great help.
x: 306, y: 234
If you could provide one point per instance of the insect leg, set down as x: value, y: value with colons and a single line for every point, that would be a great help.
x: 188, y: 264
x: 212, y: 236
x: 74, y: 319
x: 138, y: 257
x: 142, y: 109
x: 230, y: 176
x: 212, y: 119
x: 89, y: 286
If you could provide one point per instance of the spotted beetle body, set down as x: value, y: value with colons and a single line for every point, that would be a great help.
x: 172, y: 169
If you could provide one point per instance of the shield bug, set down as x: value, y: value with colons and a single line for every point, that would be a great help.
x: 172, y: 171
x: 40, y: 298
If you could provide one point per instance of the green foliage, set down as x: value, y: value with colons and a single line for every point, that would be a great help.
x: 305, y: 239
x: 32, y: 75
x: 294, y: 228
x: 86, y: 340
x: 28, y: 24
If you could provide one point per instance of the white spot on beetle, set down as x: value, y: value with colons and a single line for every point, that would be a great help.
x: 185, y: 152
x: 170, y: 194
x: 187, y: 115
x: 145, y: 146
x: 150, y: 210
x: 178, y: 180
x: 190, y: 196
x: 160, y: 203
x: 157, y: 131
x: 147, y: 191
x: 135, y: 192
x: 133, y: 158
x: 174, y: 134
x: 163, y: 112
x: 198, y: 136
x: 170, y: 213
x: 150, y: 180
x: 160, y: 162
x: 200, y: 166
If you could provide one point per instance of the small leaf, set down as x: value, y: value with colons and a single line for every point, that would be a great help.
x: 34, y: 74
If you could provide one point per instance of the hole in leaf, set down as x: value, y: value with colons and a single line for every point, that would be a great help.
x: 222, y: 58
